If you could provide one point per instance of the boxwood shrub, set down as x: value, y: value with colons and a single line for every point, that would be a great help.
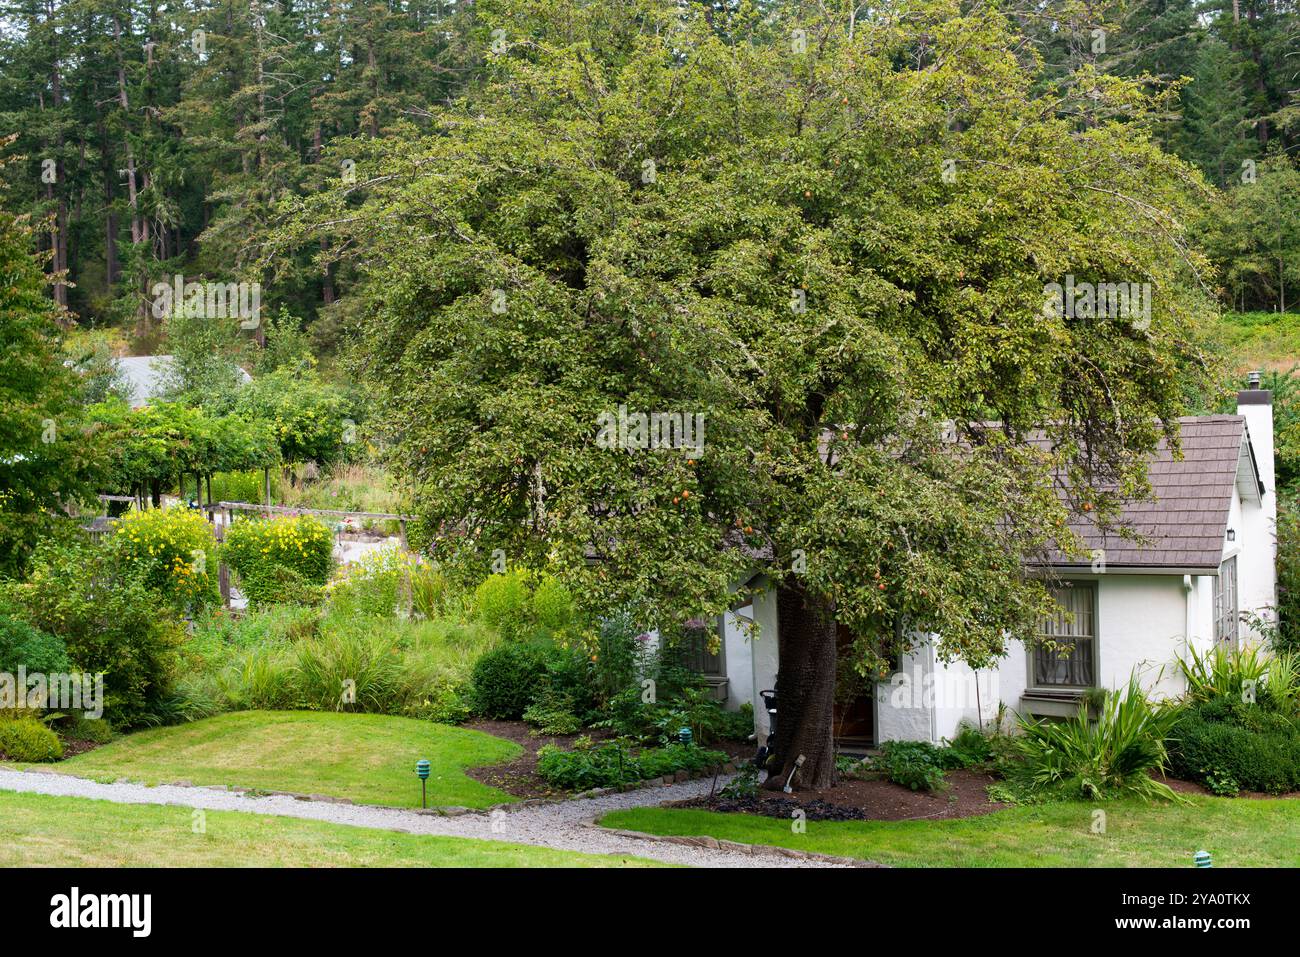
x: 1229, y: 745
x: 506, y: 679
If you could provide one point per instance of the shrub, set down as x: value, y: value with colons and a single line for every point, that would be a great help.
x: 27, y: 739
x: 1114, y: 755
x: 86, y: 729
x: 524, y: 606
x: 970, y: 747
x: 108, y: 621
x: 552, y: 713
x: 1230, y: 745
x: 552, y: 607
x: 286, y: 554
x: 918, y: 765
x: 173, y: 552
x: 503, y: 602
x: 743, y: 786
x: 506, y: 679
x: 443, y: 700
x: 35, y: 650
x: 612, y: 765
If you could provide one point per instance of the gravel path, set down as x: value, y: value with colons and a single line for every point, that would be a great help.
x: 563, y: 825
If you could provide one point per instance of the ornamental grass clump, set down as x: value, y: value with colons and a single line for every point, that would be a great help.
x: 1112, y: 756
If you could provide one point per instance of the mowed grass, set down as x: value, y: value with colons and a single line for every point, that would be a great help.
x: 363, y: 757
x: 1237, y: 832
x: 38, y: 830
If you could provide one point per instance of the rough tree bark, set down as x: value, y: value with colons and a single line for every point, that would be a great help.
x: 805, y: 691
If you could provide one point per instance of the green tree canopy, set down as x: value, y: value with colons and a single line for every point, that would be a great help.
x: 47, y: 460
x: 833, y: 247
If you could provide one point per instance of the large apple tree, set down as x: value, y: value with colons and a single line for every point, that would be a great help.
x: 826, y: 231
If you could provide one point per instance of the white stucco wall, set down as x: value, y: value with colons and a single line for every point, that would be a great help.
x: 763, y: 655
x: 1141, y: 622
x: 737, y: 655
x: 1257, y: 532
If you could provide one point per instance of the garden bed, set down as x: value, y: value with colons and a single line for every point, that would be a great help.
x: 966, y: 795
x: 519, y: 777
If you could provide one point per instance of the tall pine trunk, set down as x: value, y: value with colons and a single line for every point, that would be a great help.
x: 805, y: 691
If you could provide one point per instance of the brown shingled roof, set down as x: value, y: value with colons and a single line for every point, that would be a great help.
x: 1184, y: 525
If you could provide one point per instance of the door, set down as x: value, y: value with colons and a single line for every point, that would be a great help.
x: 855, y: 705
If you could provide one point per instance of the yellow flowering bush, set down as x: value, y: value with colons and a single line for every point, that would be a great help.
x: 287, y: 558
x: 173, y: 552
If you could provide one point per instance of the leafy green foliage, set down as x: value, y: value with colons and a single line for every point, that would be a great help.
x: 506, y: 679
x: 308, y: 416
x: 153, y: 446
x: 918, y: 765
x: 522, y: 605
x: 48, y: 457
x: 1221, y: 671
x: 35, y: 650
x: 632, y: 242
x: 612, y: 765
x: 1232, y: 744
x: 552, y: 713
x: 109, y: 621
x: 27, y: 739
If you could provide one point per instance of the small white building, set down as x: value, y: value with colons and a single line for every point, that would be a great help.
x: 146, y: 376
x: 1206, y: 558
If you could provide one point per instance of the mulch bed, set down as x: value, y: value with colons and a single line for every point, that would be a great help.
x: 1195, y: 787
x: 520, y: 778
x: 71, y: 748
x: 75, y: 746
x: 880, y: 800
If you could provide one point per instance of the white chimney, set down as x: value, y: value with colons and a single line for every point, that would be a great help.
x: 1257, y: 561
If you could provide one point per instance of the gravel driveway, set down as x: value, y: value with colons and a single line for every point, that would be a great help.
x: 563, y: 825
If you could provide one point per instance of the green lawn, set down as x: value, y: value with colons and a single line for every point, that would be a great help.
x: 1240, y: 832
x: 37, y: 830
x: 365, y: 757
x: 1259, y: 340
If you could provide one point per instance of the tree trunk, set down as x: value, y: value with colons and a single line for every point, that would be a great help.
x: 805, y: 691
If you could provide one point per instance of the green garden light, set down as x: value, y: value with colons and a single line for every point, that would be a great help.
x: 422, y: 769
x: 684, y: 735
x: 1202, y: 859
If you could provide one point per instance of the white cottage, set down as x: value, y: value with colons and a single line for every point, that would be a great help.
x: 1207, y: 556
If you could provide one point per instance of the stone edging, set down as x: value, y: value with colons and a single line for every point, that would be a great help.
x: 718, y: 844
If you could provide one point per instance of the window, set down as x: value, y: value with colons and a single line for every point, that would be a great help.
x: 1226, y: 618
x: 1073, y: 630
x: 695, y: 650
